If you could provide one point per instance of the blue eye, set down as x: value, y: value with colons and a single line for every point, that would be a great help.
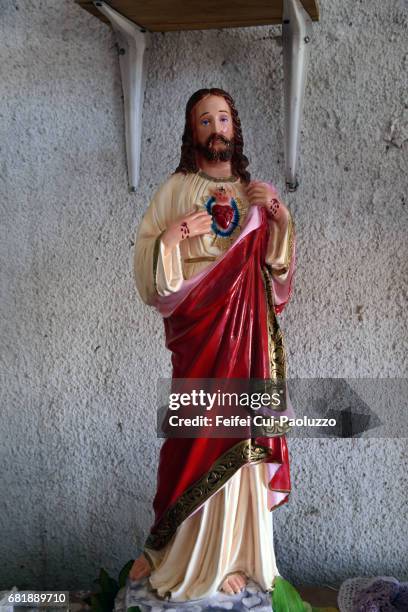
x: 224, y: 119
x: 205, y: 122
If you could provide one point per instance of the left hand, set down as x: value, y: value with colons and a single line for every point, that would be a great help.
x: 264, y: 194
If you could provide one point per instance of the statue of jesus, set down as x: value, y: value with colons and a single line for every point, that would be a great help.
x: 215, y: 254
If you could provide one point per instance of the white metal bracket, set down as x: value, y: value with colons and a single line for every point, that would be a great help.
x: 296, y: 36
x: 132, y: 41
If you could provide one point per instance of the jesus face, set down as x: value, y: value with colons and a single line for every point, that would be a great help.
x: 213, y: 129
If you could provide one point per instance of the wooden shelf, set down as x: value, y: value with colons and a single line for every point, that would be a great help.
x: 173, y: 15
x: 132, y: 20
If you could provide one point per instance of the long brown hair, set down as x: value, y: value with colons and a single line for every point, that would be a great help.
x: 188, y: 161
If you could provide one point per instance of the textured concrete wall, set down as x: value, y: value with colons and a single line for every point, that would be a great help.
x: 82, y: 354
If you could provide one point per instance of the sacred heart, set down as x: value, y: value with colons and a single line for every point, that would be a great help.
x: 222, y: 215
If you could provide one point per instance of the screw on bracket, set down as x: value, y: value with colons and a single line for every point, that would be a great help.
x: 292, y: 186
x: 120, y: 50
x: 307, y: 39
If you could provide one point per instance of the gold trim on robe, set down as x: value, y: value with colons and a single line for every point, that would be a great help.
x: 280, y: 254
x: 246, y: 451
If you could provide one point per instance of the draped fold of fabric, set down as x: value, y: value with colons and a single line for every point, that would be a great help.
x: 221, y: 323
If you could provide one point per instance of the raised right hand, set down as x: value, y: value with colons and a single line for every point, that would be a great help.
x: 187, y: 226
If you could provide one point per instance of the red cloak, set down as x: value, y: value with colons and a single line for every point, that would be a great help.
x: 217, y: 327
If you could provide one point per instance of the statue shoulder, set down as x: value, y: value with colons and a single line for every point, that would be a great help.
x: 173, y: 183
x: 165, y: 201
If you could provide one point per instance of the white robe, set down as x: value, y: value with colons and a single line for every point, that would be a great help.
x: 231, y: 532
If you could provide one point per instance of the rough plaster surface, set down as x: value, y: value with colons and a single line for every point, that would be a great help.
x: 81, y: 354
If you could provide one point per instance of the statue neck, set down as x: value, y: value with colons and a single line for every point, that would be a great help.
x: 216, y: 169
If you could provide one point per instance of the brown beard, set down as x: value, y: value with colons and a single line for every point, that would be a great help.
x: 213, y: 155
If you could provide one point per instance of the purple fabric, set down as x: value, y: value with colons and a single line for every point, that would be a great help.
x: 382, y: 596
x: 401, y: 600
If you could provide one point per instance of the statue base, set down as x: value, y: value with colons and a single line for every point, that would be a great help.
x: 251, y: 599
